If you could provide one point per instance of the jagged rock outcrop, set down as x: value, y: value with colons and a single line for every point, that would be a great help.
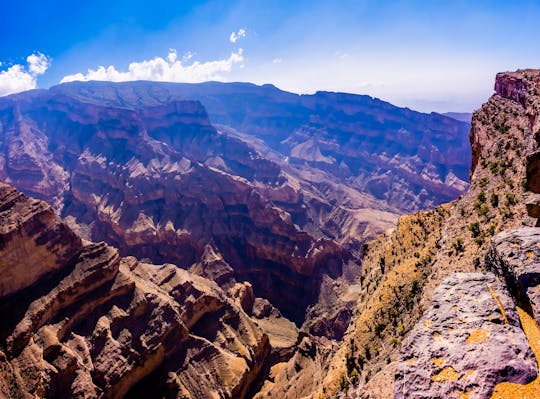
x: 468, y: 341
x: 100, y: 326
x: 514, y: 255
x: 32, y: 239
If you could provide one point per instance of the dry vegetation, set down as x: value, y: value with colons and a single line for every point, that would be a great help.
x: 402, y: 267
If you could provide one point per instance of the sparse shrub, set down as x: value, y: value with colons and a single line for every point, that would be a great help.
x: 344, y: 384
x: 353, y: 375
x: 458, y: 245
x: 494, y: 167
x: 510, y: 199
x: 474, y: 228
x: 367, y: 351
x: 483, y: 210
x: 368, y: 375
x: 494, y: 199
x: 481, y: 197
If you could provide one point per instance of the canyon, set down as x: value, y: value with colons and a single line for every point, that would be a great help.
x: 253, y: 237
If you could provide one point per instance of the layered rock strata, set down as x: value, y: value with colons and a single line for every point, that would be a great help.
x: 100, y: 326
x: 407, y: 265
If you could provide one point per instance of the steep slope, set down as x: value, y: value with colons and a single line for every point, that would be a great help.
x: 406, y: 159
x: 101, y: 326
x: 161, y: 183
x: 405, y: 266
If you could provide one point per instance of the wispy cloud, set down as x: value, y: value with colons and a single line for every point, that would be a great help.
x: 20, y: 78
x: 341, y: 55
x: 277, y: 61
x: 168, y: 69
x: 237, y: 35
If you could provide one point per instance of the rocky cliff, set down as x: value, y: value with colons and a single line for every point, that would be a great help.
x: 444, y: 304
x: 140, y: 166
x: 388, y: 349
x: 159, y: 182
x: 98, y: 325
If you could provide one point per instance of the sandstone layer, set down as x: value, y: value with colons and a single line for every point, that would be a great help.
x: 101, y: 326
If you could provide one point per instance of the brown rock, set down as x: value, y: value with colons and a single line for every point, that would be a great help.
x: 111, y: 327
x: 33, y: 243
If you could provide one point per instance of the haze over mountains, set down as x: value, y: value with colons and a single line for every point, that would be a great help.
x: 427, y: 154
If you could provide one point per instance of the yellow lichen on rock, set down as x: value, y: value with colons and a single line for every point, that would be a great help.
x: 446, y: 374
x: 438, y: 361
x: 507, y: 390
x: 477, y: 336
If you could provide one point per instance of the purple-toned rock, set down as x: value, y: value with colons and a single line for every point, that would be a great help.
x: 468, y: 341
x: 515, y: 255
x: 516, y: 85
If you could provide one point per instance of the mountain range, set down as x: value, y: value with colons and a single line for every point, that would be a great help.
x: 253, y: 237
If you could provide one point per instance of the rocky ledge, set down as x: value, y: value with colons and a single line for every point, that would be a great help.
x: 468, y: 341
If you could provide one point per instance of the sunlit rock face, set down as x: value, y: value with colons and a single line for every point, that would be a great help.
x: 96, y: 325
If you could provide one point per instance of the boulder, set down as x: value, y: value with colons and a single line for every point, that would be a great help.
x: 468, y: 341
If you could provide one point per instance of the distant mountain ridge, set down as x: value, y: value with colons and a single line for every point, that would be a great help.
x: 460, y: 116
x: 406, y: 159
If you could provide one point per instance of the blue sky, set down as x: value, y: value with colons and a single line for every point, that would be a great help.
x: 427, y: 55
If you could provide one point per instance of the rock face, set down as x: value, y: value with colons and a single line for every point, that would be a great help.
x: 468, y: 341
x: 101, y: 326
x: 282, y: 195
x: 518, y: 85
x: 32, y: 239
x: 514, y: 255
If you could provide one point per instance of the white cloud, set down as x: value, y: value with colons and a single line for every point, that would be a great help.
x: 165, y: 70
x: 172, y: 56
x: 19, y: 78
x: 37, y: 63
x: 235, y: 36
x: 277, y: 61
